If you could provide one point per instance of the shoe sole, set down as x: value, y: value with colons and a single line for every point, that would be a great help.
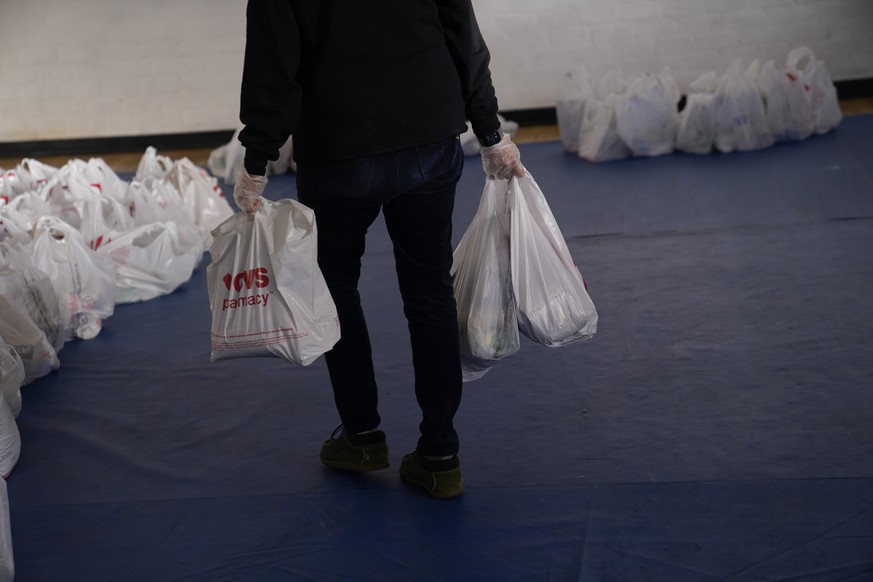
x: 347, y: 466
x: 431, y: 492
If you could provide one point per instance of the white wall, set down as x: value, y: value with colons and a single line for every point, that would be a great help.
x: 96, y: 68
x: 536, y: 42
x: 102, y: 68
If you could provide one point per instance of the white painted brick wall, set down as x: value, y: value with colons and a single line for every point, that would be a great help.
x: 535, y: 42
x: 102, y: 68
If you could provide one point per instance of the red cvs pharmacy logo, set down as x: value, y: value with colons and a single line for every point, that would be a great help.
x: 250, y: 279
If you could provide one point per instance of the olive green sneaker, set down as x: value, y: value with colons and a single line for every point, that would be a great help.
x: 441, y: 479
x: 355, y: 452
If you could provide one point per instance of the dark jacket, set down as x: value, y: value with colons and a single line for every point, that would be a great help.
x: 354, y: 78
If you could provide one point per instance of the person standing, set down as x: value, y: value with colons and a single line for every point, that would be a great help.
x: 376, y: 95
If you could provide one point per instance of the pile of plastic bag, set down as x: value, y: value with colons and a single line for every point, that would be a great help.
x: 78, y: 240
x: 743, y: 109
x: 75, y: 242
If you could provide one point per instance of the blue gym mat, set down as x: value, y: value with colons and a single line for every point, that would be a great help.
x: 719, y: 426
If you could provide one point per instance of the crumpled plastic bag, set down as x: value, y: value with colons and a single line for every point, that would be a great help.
x: 554, y: 308
x: 821, y: 92
x: 482, y: 281
x: 20, y: 332
x: 83, y: 280
x: 646, y: 114
x: 149, y: 261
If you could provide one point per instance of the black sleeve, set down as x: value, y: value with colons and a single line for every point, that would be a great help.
x: 270, y: 95
x: 472, y: 58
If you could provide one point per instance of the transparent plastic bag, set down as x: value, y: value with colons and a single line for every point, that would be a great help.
x: 482, y: 280
x: 646, y: 115
x: 266, y: 292
x: 741, y: 123
x: 598, y: 133
x: 554, y: 308
x: 576, y: 93
x: 789, y: 113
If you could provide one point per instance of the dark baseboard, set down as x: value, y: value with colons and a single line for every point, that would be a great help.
x: 525, y: 117
x: 107, y: 145
x: 851, y: 89
x: 854, y: 89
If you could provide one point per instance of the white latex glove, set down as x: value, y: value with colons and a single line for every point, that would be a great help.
x: 502, y: 160
x: 247, y: 190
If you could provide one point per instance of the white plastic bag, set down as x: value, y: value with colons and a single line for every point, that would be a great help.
x: 646, y: 115
x: 154, y: 200
x: 482, y: 280
x: 11, y: 185
x: 149, y: 261
x: 576, y: 93
x: 821, y: 92
x: 13, y: 227
x: 75, y: 199
x: 202, y: 197
x: 10, y: 439
x: 99, y: 217
x: 83, y: 280
x: 28, y: 207
x: 7, y: 561
x: 19, y: 331
x: 789, y: 113
x: 554, y: 308
x: 152, y: 165
x: 598, y: 135
x: 225, y: 160
x: 741, y: 124
x: 32, y: 290
x: 266, y: 291
x: 11, y: 376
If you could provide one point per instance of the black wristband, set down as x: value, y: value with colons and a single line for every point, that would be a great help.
x: 490, y: 139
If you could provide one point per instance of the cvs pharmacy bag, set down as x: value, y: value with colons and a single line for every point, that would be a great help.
x: 266, y: 292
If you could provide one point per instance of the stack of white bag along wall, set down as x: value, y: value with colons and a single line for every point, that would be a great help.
x: 75, y: 242
x: 743, y: 109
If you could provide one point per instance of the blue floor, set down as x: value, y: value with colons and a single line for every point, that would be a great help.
x: 718, y: 427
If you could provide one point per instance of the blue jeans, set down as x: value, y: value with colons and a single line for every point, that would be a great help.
x: 415, y: 190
